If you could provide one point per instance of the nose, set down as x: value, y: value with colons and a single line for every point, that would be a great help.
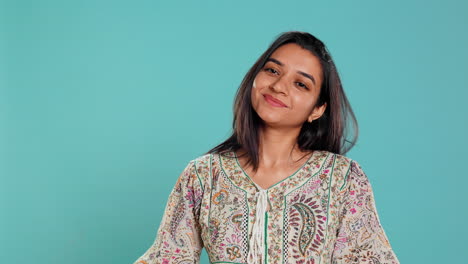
x: 279, y: 85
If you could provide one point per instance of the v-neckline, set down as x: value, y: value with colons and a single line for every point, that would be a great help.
x: 314, y: 152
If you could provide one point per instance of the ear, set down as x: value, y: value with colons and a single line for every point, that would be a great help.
x: 317, y: 112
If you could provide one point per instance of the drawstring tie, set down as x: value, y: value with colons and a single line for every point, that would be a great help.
x: 256, y: 249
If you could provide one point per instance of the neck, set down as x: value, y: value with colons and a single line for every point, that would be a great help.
x: 278, y: 147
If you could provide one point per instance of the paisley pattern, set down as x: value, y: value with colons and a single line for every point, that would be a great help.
x: 308, y: 231
x: 323, y: 213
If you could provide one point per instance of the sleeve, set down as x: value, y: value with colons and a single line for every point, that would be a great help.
x: 360, y: 235
x: 178, y: 237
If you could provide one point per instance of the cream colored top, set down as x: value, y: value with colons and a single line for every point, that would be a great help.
x: 324, y: 213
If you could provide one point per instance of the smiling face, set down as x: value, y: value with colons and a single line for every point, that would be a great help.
x: 292, y: 77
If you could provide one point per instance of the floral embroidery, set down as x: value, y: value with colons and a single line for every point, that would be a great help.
x: 233, y: 252
x: 324, y: 213
x: 219, y: 196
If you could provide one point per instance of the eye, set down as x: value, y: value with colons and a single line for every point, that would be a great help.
x: 270, y: 70
x: 303, y: 85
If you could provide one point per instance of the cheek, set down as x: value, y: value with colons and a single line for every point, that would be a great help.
x: 256, y: 87
x: 260, y: 81
x: 303, y: 103
x: 253, y: 94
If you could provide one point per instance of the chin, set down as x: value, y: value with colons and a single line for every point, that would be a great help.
x: 271, y: 120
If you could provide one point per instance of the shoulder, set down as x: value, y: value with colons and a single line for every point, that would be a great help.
x: 342, y: 161
x: 334, y: 157
x: 202, y: 160
x: 201, y: 165
x: 345, y: 169
x: 352, y: 175
x: 336, y: 162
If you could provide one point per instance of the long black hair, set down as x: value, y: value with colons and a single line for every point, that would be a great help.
x: 325, y: 133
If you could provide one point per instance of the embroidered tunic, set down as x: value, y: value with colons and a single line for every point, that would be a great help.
x: 324, y: 213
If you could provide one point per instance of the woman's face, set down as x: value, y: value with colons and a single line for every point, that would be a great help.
x: 292, y: 75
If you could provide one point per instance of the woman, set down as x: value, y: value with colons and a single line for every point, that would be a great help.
x: 279, y: 189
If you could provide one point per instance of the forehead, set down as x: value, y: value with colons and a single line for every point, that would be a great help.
x: 296, y: 58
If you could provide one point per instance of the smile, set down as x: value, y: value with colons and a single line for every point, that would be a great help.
x: 273, y: 101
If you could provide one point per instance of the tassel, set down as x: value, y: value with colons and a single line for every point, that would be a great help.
x: 256, y: 247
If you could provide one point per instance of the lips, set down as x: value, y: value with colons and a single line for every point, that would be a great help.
x: 273, y: 101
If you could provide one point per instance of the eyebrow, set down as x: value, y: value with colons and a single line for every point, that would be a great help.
x: 300, y: 72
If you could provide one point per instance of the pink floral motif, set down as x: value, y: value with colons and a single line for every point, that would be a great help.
x: 330, y: 204
x: 234, y: 239
x: 341, y: 241
x: 189, y: 197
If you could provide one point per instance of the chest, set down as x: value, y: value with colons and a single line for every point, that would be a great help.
x: 295, y: 222
x: 267, y: 177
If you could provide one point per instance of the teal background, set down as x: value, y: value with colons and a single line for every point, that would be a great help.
x: 103, y: 103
